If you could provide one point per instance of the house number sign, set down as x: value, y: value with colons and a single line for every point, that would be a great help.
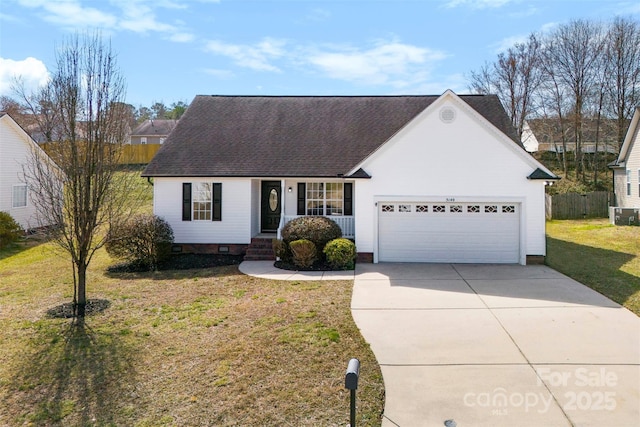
x: 450, y: 199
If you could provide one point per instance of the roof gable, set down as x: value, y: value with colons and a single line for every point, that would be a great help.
x: 487, y: 111
x: 154, y: 127
x: 627, y: 145
x: 294, y: 136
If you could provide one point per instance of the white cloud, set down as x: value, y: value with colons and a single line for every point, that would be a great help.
x: 477, y: 4
x: 257, y: 57
x: 508, y: 42
x: 132, y: 15
x: 393, y: 63
x: 31, y: 71
x: 71, y: 14
x: 221, y: 74
x: 181, y: 37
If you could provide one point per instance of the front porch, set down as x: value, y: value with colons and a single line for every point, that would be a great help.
x: 278, y: 201
x: 346, y: 224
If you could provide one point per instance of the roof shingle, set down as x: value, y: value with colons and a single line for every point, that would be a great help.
x: 292, y: 136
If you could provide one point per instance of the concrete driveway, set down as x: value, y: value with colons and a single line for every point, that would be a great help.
x: 497, y: 345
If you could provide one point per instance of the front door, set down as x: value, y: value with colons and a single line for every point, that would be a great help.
x: 271, y: 206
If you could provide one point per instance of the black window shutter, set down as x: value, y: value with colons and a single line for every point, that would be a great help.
x: 302, y: 198
x: 186, y: 201
x: 348, y: 198
x: 217, y: 202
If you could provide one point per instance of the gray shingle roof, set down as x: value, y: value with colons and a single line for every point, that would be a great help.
x: 293, y: 136
x: 154, y: 127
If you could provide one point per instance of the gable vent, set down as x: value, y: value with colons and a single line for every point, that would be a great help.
x: 447, y: 114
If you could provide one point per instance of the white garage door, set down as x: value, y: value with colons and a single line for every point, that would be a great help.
x: 449, y: 232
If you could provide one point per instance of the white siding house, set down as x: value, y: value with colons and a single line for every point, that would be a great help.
x: 15, y: 151
x: 411, y: 179
x: 626, y: 169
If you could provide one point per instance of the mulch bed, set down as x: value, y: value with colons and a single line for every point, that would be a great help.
x: 180, y: 262
x: 318, y: 266
x: 65, y: 311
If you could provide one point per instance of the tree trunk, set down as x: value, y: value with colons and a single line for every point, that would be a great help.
x: 81, y: 302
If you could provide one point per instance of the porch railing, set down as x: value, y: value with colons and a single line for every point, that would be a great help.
x: 347, y: 224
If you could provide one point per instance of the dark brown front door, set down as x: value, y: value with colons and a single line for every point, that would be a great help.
x: 271, y: 206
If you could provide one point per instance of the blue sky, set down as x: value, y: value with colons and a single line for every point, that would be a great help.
x: 172, y: 50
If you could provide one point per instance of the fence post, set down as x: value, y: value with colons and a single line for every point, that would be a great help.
x: 351, y: 383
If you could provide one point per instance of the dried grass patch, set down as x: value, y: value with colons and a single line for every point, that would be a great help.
x: 187, y: 348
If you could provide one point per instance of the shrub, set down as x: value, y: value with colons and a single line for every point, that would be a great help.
x: 10, y: 230
x: 317, y: 229
x: 304, y: 253
x: 281, y: 250
x: 340, y: 253
x: 144, y: 239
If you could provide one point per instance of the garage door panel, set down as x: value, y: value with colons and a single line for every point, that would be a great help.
x: 471, y: 233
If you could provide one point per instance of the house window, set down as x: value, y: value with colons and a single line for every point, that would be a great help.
x: 162, y: 140
x: 404, y: 208
x: 628, y: 182
x: 201, y: 201
x: 325, y: 198
x: 422, y: 208
x: 143, y: 140
x: 19, y: 196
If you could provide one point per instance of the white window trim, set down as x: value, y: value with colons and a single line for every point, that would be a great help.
x: 324, y: 200
x: 13, y: 196
x: 628, y: 182
x: 196, y: 192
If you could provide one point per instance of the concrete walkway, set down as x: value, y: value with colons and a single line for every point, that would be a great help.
x: 266, y: 270
x: 497, y: 345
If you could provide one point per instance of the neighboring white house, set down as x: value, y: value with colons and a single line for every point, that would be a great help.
x: 409, y: 178
x: 529, y: 139
x: 626, y: 170
x: 15, y: 151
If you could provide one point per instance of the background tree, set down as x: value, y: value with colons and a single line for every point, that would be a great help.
x: 87, y: 91
x: 514, y: 77
x: 622, y: 50
x: 578, y: 84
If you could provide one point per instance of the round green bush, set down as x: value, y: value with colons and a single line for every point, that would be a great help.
x: 281, y: 250
x: 144, y: 239
x: 317, y: 229
x: 304, y: 253
x: 340, y: 253
x: 10, y: 230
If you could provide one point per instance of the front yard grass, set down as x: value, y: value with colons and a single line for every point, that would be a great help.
x: 602, y: 256
x: 178, y: 348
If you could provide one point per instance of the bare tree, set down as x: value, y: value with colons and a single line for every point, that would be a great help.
x: 623, y: 71
x: 41, y: 111
x: 573, y: 53
x: 514, y: 77
x: 86, y: 194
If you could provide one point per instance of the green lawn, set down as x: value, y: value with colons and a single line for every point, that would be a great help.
x: 177, y: 348
x: 602, y: 256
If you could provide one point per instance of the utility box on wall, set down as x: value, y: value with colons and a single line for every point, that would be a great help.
x: 624, y: 216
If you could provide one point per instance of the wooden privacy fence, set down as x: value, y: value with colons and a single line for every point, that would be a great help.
x: 140, y: 154
x: 575, y: 206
